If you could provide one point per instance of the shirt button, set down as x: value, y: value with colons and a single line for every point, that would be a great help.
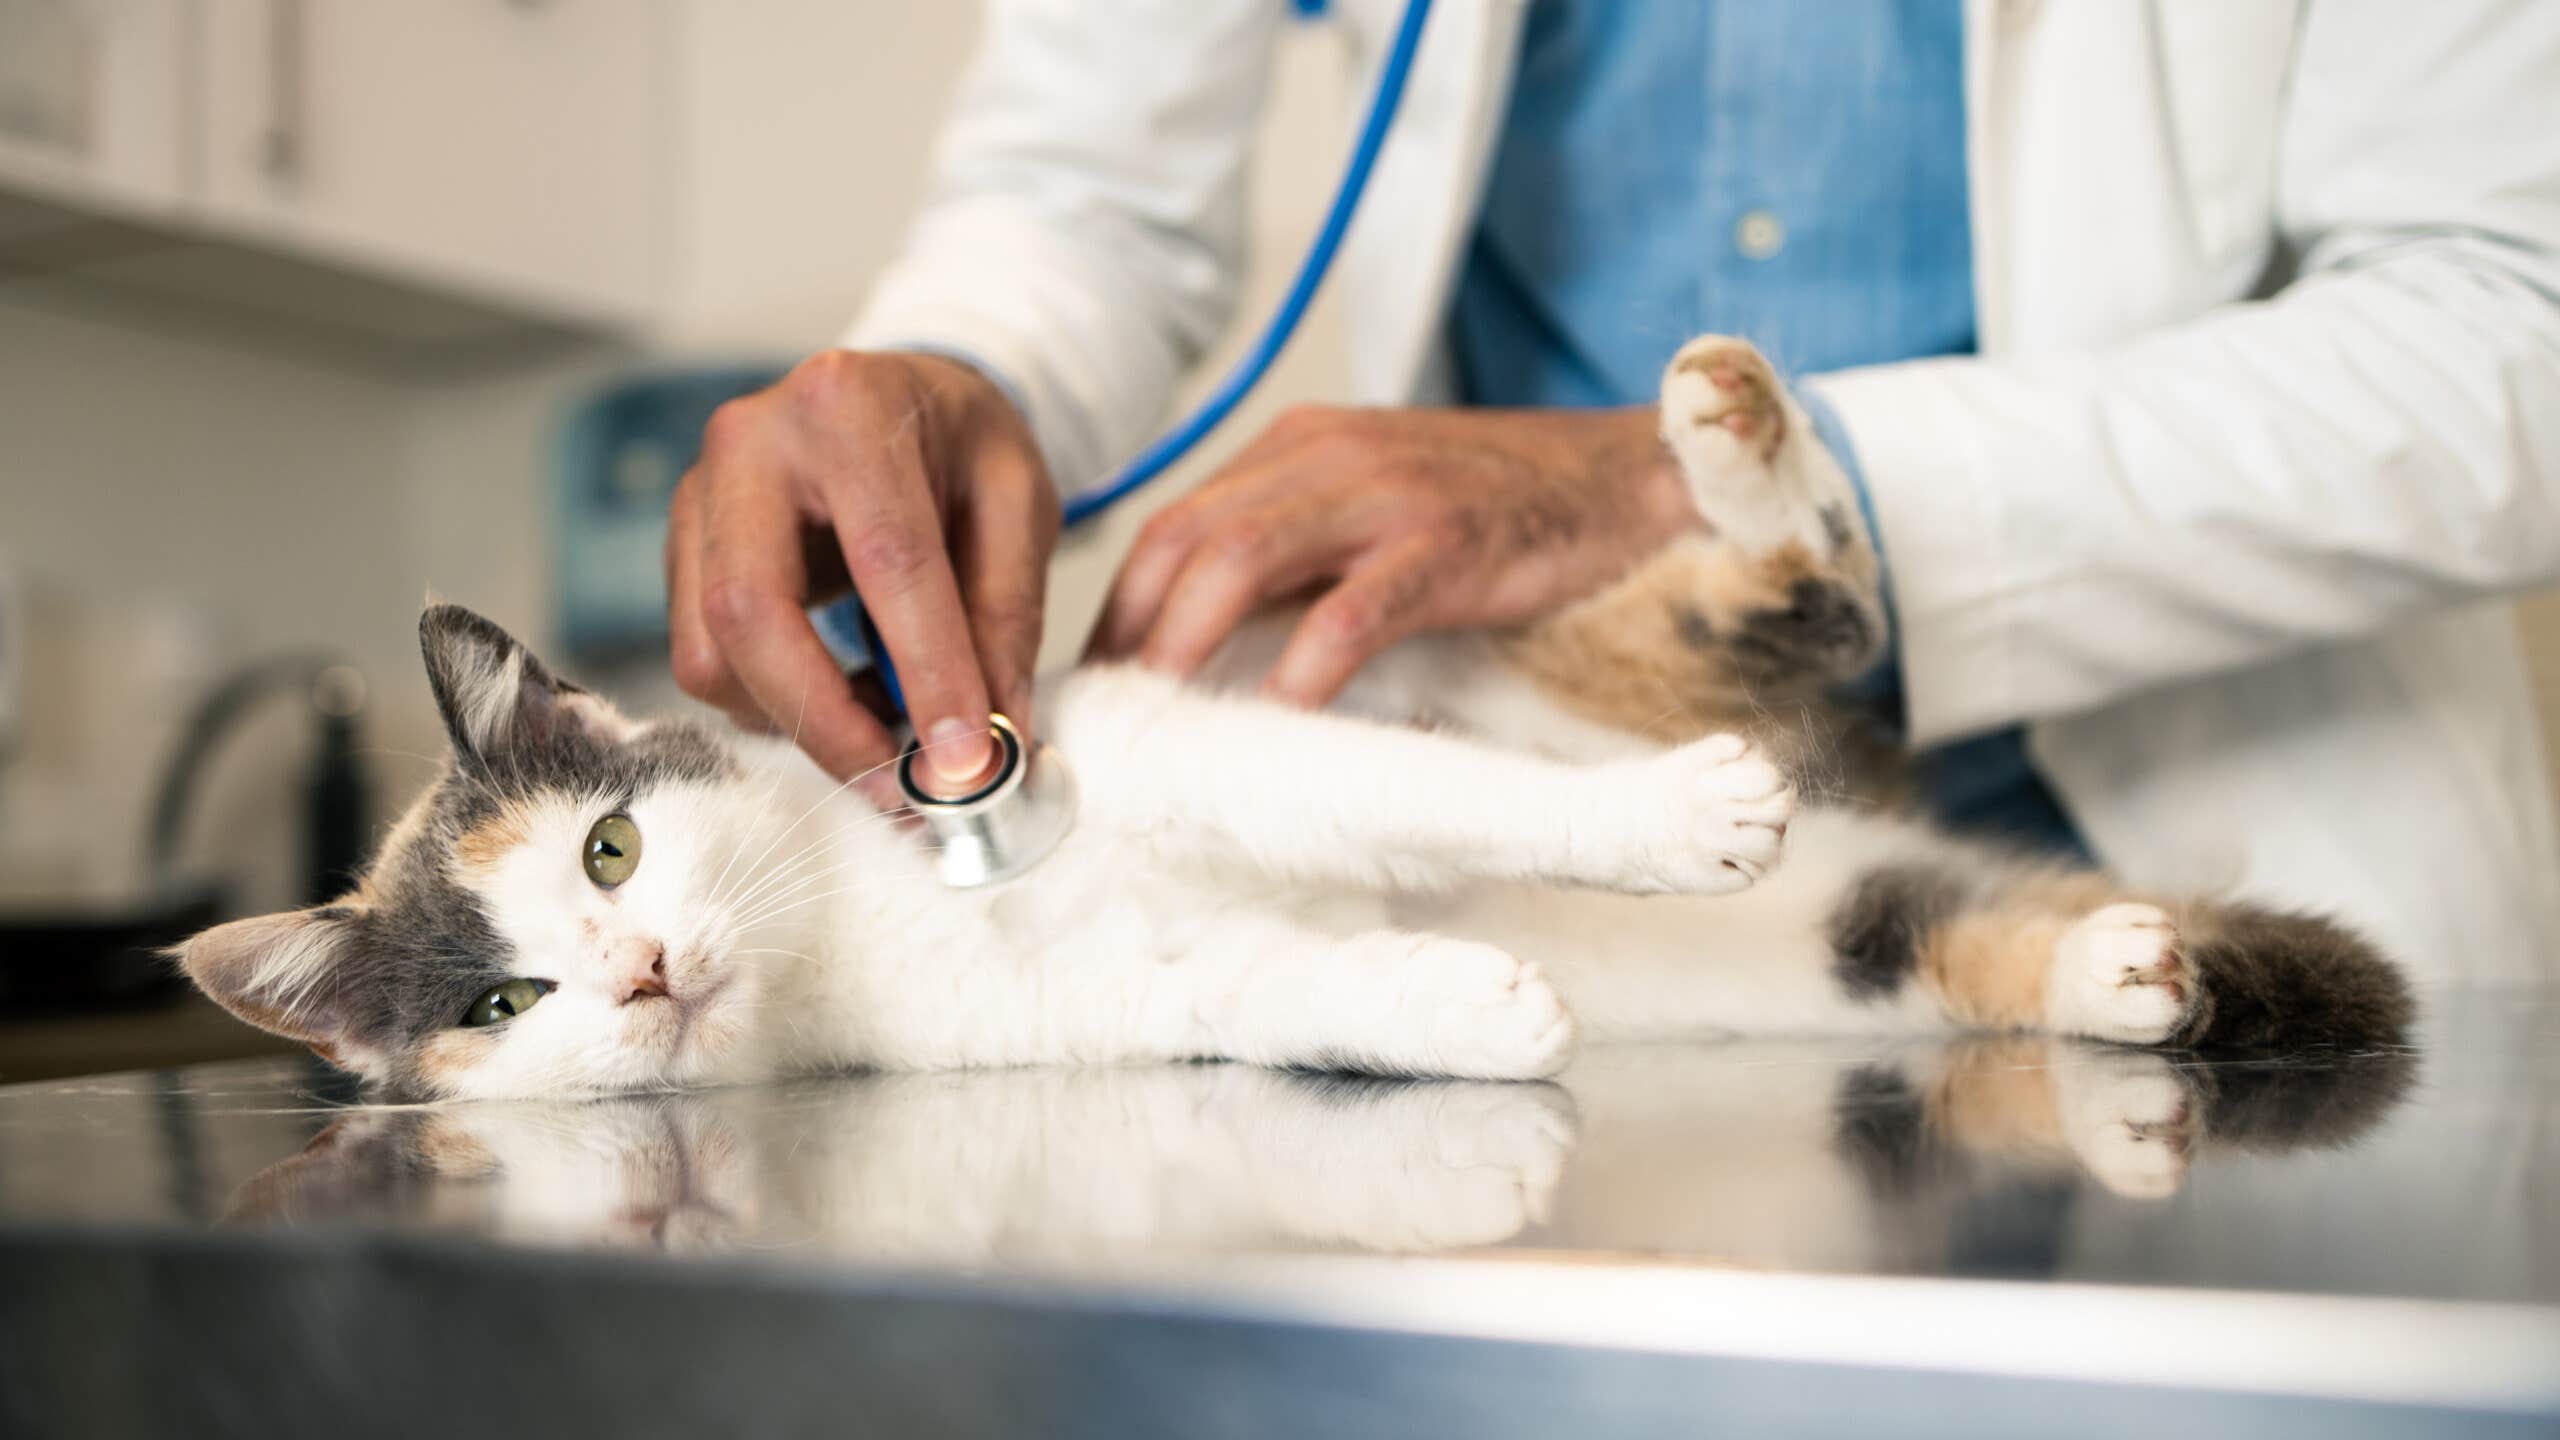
x: 1759, y: 235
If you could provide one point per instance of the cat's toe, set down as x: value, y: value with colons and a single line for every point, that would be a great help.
x: 1485, y: 1014
x: 1719, y: 814
x: 2119, y: 975
x: 1722, y: 399
x: 2129, y: 1117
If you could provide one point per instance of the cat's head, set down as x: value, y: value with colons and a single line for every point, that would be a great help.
x: 557, y: 913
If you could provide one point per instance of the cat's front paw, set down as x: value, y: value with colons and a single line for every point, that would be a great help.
x: 1708, y: 818
x: 2118, y: 975
x: 1474, y: 1012
x: 2129, y: 1117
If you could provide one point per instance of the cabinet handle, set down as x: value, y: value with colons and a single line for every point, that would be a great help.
x: 281, y: 151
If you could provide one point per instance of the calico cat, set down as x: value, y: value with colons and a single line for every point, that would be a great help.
x: 1412, y: 884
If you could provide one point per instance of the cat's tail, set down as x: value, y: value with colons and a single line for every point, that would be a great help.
x: 2278, y: 980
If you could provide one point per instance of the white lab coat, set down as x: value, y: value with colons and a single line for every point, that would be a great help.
x: 2267, y: 406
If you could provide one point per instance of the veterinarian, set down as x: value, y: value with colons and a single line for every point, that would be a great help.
x: 2200, y: 363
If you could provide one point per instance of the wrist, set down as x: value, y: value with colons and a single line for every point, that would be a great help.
x: 1659, y: 504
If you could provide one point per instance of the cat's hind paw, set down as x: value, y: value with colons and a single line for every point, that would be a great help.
x: 1725, y: 418
x: 2119, y: 975
x: 1475, y: 1012
x: 1721, y: 399
x: 2129, y: 1118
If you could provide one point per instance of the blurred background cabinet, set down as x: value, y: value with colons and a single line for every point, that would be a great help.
x: 92, y: 100
x: 420, y: 175
x: 501, y: 146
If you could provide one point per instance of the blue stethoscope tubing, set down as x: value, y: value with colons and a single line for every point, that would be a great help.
x: 1283, y: 325
x: 1256, y: 362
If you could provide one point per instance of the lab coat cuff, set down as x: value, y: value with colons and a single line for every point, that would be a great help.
x: 1007, y: 360
x: 963, y: 355
x: 1904, y: 442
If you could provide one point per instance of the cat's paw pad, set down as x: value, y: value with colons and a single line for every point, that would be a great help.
x: 1480, y: 1013
x: 2119, y: 975
x: 1711, y: 818
x: 1722, y: 399
x: 2129, y: 1117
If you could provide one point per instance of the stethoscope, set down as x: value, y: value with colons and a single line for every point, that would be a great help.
x: 1016, y: 817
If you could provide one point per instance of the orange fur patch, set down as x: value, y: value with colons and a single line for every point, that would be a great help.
x: 1648, y: 656
x: 448, y: 1055
x: 1629, y: 657
x: 479, y: 849
x: 1988, y: 963
x: 1996, y: 1095
x: 451, y: 1150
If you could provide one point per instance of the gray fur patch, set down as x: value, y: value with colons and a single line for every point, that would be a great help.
x: 1881, y: 1125
x: 1835, y: 529
x: 2278, y: 981
x: 1823, y: 633
x: 1696, y: 630
x: 419, y: 950
x: 2276, y: 1105
x: 1877, y: 932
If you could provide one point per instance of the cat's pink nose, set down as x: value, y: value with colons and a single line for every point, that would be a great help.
x: 641, y: 983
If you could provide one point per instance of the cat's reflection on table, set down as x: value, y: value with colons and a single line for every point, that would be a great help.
x: 1020, y: 1165
x: 1678, y: 1153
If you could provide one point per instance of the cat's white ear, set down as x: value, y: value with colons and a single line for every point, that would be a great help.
x: 495, y: 696
x: 284, y: 974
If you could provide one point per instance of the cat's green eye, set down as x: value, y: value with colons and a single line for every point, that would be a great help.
x: 612, y: 850
x: 506, y: 1001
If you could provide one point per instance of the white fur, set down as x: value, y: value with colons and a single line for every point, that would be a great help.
x: 1025, y: 1166
x: 1244, y: 880
x: 1790, y: 488
x: 2128, y: 1117
x: 1734, y: 1151
x: 2116, y: 976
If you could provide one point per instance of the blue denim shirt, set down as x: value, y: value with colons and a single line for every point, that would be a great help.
x: 1790, y: 173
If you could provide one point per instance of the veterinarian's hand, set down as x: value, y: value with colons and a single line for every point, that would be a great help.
x: 913, y: 477
x: 1394, y: 521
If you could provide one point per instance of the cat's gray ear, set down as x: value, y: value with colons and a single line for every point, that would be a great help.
x: 495, y: 696
x: 285, y: 974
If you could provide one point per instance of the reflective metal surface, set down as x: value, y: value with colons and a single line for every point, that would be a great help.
x: 2382, y: 1230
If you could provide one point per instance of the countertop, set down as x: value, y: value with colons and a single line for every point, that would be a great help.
x: 1981, y: 1236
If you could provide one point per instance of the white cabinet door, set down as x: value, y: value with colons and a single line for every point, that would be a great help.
x: 512, y: 148
x: 90, y: 100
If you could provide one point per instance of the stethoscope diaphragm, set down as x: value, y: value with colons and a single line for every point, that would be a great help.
x: 1006, y: 825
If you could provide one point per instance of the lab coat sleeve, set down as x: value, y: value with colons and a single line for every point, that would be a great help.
x: 1083, y: 238
x: 2378, y: 439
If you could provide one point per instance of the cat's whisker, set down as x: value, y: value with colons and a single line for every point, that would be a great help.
x: 785, y: 832
x: 784, y: 883
x: 822, y: 800
x: 753, y: 866
x: 770, y: 914
x: 773, y: 786
x: 784, y: 867
x: 787, y: 874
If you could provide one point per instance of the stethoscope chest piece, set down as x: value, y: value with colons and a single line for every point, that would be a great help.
x: 1005, y: 826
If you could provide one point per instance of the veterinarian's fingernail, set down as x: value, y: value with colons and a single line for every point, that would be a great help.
x: 958, y: 753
